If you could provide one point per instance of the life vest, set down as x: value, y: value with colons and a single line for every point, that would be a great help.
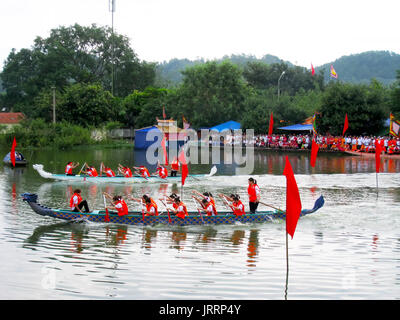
x: 92, y: 172
x: 152, y: 205
x: 121, y: 207
x: 68, y: 169
x: 127, y: 173
x: 78, y: 200
x: 252, y: 191
x: 162, y: 172
x: 110, y: 173
x: 175, y: 165
x: 144, y: 172
x: 182, y: 210
x: 239, y: 210
x: 210, y: 209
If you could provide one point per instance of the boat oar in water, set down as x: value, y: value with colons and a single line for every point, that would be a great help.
x: 169, y: 216
x: 81, y: 169
x: 107, y: 216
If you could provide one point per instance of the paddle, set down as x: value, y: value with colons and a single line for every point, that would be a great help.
x: 225, y: 202
x: 268, y: 205
x: 141, y: 202
x: 169, y: 216
x: 81, y: 169
x: 107, y: 216
x: 198, y: 210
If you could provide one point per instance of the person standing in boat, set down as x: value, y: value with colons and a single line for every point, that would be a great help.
x: 119, y: 204
x: 254, y: 193
x: 69, y: 167
x: 76, y: 203
x: 174, y: 167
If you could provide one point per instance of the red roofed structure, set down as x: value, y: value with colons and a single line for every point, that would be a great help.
x: 11, y: 117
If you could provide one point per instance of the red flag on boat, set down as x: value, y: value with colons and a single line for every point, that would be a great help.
x: 164, y: 147
x: 378, y: 151
x: 293, y: 202
x: 346, y: 124
x: 12, y: 153
x: 182, y: 160
x: 314, y: 151
x: 271, y: 124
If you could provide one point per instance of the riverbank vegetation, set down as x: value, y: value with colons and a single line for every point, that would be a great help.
x: 94, y: 88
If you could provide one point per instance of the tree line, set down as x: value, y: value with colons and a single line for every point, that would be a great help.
x: 97, y: 78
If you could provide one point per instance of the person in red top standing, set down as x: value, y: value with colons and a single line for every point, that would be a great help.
x: 69, y: 167
x: 119, y: 204
x: 174, y: 167
x: 76, y: 203
x: 254, y: 193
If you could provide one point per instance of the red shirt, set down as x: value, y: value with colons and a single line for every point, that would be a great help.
x: 252, y: 190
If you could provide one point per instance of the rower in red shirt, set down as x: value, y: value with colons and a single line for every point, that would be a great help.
x: 119, y: 204
x: 125, y: 171
x: 68, y: 168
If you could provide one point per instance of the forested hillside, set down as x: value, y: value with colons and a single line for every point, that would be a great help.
x: 362, y: 67
x: 356, y: 68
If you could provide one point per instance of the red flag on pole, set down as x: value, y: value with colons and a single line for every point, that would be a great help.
x: 346, y: 124
x: 12, y: 153
x: 293, y: 202
x: 271, y: 124
x: 314, y: 151
x: 185, y: 170
x: 312, y: 70
x: 378, y: 151
x: 163, y: 145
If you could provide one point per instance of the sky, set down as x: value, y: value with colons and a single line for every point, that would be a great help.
x: 303, y: 32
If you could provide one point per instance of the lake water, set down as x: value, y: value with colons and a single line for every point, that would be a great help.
x: 349, y: 249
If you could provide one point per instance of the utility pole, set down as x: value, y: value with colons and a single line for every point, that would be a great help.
x: 112, y: 9
x: 54, y: 103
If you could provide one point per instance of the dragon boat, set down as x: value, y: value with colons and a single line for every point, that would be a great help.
x: 118, y: 178
x: 371, y: 155
x: 138, y: 218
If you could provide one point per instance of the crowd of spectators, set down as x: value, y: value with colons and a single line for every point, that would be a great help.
x: 334, y: 143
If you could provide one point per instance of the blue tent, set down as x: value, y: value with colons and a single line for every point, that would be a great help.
x: 140, y: 137
x: 298, y: 127
x: 230, y: 125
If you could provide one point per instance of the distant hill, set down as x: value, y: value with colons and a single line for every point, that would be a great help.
x: 356, y: 68
x: 362, y: 67
x: 169, y: 73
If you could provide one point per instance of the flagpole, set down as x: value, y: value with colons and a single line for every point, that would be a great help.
x: 287, y: 265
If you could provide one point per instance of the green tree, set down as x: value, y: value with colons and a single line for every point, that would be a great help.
x: 87, y: 105
x: 211, y: 93
x: 75, y: 54
x: 362, y: 103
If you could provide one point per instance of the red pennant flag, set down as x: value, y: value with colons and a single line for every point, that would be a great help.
x: 346, y: 124
x: 12, y: 153
x: 185, y: 170
x: 271, y: 124
x: 314, y: 151
x: 293, y: 202
x: 163, y: 145
x: 312, y: 70
x: 378, y: 151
